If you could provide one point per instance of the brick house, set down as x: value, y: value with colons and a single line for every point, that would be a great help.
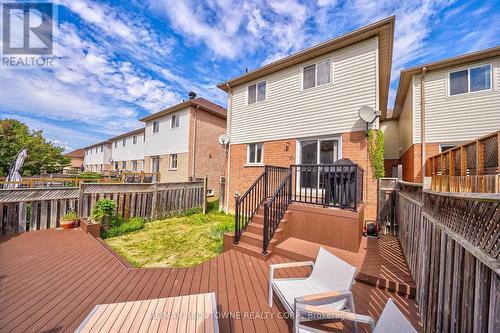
x: 461, y: 103
x: 303, y: 110
x: 181, y: 142
x: 77, y: 160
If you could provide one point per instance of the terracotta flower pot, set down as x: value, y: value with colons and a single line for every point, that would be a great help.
x: 67, y: 224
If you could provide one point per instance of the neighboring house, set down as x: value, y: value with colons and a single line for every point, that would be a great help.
x: 128, y: 151
x: 77, y: 160
x: 303, y: 109
x: 181, y: 142
x: 461, y: 103
x: 98, y: 157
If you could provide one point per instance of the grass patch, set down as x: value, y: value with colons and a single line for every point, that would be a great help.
x: 180, y: 241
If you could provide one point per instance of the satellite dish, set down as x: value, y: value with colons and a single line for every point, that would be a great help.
x: 368, y: 114
x: 224, y: 139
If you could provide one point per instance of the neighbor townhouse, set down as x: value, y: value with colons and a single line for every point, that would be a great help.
x: 76, y: 160
x: 181, y: 142
x: 98, y: 157
x: 303, y: 110
x: 460, y: 102
x: 128, y: 151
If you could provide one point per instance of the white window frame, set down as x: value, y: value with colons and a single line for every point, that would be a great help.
x: 174, y: 121
x: 102, y: 149
x: 157, y: 127
x: 468, y: 79
x: 116, y: 143
x: 134, y: 140
x: 261, y: 157
x: 124, y: 142
x: 316, y: 74
x: 210, y: 192
x: 256, y: 84
x: 124, y: 165
x: 171, y: 166
x: 134, y: 165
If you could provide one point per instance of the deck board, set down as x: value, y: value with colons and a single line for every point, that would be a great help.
x: 50, y: 280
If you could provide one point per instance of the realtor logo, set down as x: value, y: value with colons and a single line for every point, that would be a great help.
x: 28, y: 34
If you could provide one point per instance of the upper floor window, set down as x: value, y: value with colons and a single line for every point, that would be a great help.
x: 317, y: 74
x: 87, y: 152
x: 156, y: 126
x: 134, y: 165
x: 102, y: 149
x: 134, y: 140
x: 470, y: 80
x: 116, y: 144
x: 96, y: 149
x: 173, y: 161
x: 257, y: 92
x: 124, y: 164
x: 174, y: 122
x: 124, y: 142
x: 254, y: 153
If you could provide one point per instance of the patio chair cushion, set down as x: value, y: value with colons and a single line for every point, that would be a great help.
x: 330, y: 273
x: 392, y: 320
x: 289, y: 289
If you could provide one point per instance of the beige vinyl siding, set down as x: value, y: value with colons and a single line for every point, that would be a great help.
x: 390, y: 128
x: 462, y: 117
x: 290, y: 112
x: 406, y: 123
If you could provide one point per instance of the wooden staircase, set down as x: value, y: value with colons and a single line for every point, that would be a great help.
x: 251, y: 239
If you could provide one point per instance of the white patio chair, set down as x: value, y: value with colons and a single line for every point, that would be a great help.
x: 391, y: 320
x: 328, y: 285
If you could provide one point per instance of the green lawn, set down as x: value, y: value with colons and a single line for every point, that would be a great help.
x: 180, y: 241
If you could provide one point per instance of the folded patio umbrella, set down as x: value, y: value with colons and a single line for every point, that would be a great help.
x: 14, y: 177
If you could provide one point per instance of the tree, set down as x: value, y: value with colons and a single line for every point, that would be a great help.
x: 42, y: 154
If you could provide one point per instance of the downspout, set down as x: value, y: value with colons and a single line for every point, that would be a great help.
x: 193, y: 169
x: 228, y: 157
x: 422, y: 121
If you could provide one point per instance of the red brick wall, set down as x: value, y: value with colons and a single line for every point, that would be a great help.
x: 282, y: 153
x: 412, y: 161
x: 209, y: 158
x: 388, y: 164
x: 241, y: 176
x: 355, y: 147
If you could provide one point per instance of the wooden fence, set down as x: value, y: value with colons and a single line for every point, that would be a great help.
x: 36, y: 209
x: 472, y: 167
x: 452, y: 246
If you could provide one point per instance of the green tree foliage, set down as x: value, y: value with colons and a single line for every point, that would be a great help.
x: 376, y: 151
x: 42, y: 154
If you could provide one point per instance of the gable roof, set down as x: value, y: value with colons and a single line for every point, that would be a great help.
x: 407, y: 74
x: 384, y: 29
x: 79, y: 153
x: 198, y: 102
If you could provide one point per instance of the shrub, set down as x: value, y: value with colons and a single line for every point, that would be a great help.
x: 69, y: 216
x: 217, y: 232
x: 376, y: 151
x: 105, y: 213
x: 133, y: 224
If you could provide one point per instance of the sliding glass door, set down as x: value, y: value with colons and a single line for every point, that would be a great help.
x: 313, y: 154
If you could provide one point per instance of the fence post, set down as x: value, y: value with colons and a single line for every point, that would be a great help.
x: 80, y: 200
x: 222, y: 193
x: 463, y: 161
x: 205, y: 199
x: 154, y: 203
x: 498, y: 151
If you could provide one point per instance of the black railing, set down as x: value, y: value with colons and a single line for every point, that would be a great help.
x: 274, y: 209
x: 248, y: 204
x: 329, y: 185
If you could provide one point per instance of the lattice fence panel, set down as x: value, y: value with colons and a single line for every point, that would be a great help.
x: 457, y: 154
x: 471, y: 159
x: 491, y: 153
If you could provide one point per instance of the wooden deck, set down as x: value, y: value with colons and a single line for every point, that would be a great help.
x: 50, y: 280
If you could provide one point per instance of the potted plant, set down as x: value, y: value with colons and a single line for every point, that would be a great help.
x: 68, y: 220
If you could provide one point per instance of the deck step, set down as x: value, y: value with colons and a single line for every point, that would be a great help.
x: 252, y: 250
x: 255, y: 239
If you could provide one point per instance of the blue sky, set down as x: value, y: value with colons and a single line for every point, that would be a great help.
x: 120, y: 60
